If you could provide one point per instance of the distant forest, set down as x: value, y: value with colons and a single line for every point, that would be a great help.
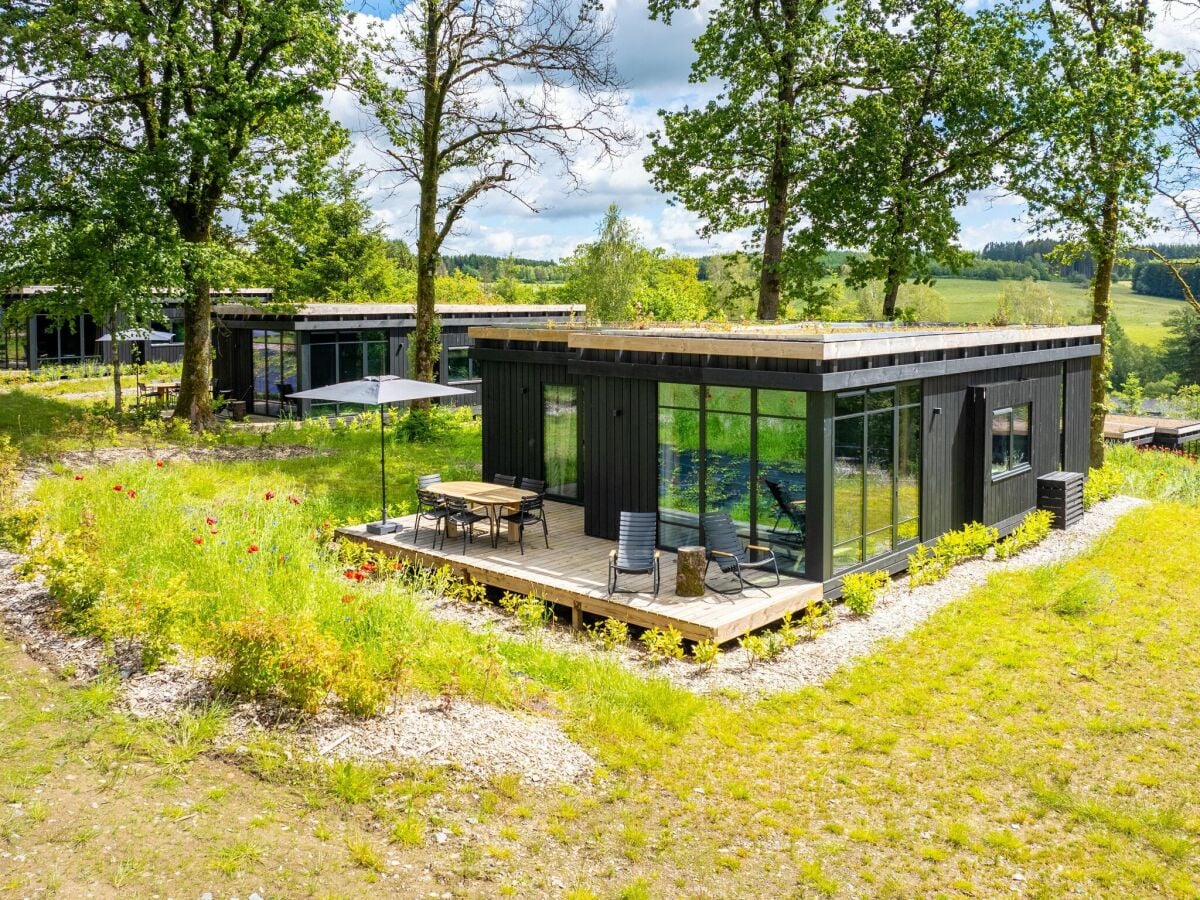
x: 492, y: 268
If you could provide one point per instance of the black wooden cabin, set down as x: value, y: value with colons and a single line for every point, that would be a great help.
x: 265, y: 354
x: 839, y: 446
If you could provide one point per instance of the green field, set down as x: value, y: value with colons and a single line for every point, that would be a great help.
x: 1142, y: 317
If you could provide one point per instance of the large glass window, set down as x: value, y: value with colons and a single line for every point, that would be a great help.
x: 274, y: 366
x: 876, y: 473
x: 337, y: 356
x: 14, y: 339
x: 1010, y: 439
x: 560, y: 440
x: 742, y: 451
x: 460, y: 366
x: 68, y: 343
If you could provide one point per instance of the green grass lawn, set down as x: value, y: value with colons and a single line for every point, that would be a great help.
x: 1142, y: 317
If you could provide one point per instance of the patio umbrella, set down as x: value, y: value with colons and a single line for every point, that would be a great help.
x: 379, y: 390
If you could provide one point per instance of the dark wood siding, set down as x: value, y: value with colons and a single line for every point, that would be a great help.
x: 620, y: 464
x: 956, y: 476
x: 512, y: 415
x: 1078, y: 397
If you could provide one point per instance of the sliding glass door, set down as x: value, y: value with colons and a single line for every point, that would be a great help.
x: 560, y: 440
x: 741, y: 451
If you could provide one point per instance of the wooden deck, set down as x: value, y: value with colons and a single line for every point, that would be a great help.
x: 574, y: 572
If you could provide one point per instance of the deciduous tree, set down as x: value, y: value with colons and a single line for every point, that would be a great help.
x: 1087, y: 168
x: 743, y: 159
x: 203, y: 104
x: 474, y: 95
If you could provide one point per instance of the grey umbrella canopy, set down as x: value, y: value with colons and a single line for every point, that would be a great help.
x: 138, y: 334
x: 379, y: 390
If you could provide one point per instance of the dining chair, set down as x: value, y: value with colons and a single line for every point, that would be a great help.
x: 636, y: 553
x: 461, y: 513
x: 505, y: 480
x: 533, y: 484
x: 532, y: 511
x: 430, y: 506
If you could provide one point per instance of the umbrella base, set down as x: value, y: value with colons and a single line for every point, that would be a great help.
x: 382, y: 528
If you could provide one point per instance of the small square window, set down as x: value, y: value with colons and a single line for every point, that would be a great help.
x: 1011, y: 444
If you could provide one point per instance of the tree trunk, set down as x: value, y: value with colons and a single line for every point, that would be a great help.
x: 195, y: 384
x: 116, y: 364
x: 425, y: 338
x: 1101, y: 309
x: 891, y: 292
x: 770, y: 282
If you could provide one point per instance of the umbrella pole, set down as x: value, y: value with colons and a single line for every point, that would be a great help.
x: 383, y: 526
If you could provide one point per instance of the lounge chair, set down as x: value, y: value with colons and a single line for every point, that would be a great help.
x: 635, y: 553
x: 725, y: 548
x: 786, y: 507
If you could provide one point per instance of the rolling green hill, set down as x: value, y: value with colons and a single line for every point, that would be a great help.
x: 1142, y: 317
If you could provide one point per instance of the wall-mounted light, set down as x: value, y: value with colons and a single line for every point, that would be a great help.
x: 937, y: 410
x: 524, y: 392
x: 616, y: 412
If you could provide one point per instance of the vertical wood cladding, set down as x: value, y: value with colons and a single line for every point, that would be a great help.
x: 1078, y: 397
x: 620, y: 454
x: 956, y: 479
x: 512, y: 415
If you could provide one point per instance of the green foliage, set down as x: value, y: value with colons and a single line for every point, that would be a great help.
x: 317, y: 243
x: 927, y: 565
x: 705, y: 654
x: 1028, y: 302
x: 17, y: 519
x: 1156, y: 474
x: 168, y: 122
x: 1034, y: 529
x: 1084, y: 595
x: 609, y: 633
x: 608, y: 273
x: 861, y: 589
x: 263, y: 655
x: 531, y: 611
x: 662, y: 644
x: 1101, y: 484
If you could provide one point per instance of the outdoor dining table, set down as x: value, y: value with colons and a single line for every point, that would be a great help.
x: 162, y: 389
x: 483, y: 493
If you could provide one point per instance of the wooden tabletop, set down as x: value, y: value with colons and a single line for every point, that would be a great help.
x: 482, y: 492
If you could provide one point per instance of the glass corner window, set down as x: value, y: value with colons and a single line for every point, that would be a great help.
x: 1011, y: 446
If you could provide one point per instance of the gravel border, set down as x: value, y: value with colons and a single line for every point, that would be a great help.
x: 898, y: 611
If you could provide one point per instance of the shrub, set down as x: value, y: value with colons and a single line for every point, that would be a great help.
x: 609, y: 633
x: 762, y: 646
x: 1101, y: 484
x: 705, y: 654
x: 860, y: 590
x: 72, y: 575
x: 662, y: 645
x: 1034, y: 529
x: 817, y: 619
x: 17, y: 520
x: 927, y: 565
x: 532, y: 612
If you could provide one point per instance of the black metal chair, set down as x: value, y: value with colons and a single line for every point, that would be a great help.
x: 725, y: 548
x: 786, y: 507
x: 506, y: 480
x: 461, y: 513
x: 533, y: 484
x: 531, y: 511
x: 636, y: 553
x: 430, y: 505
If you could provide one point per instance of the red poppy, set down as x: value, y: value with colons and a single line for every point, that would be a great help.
x: 253, y: 548
x: 295, y: 501
x: 359, y: 576
x: 396, y: 567
x: 347, y: 598
x: 269, y: 495
x: 368, y: 567
x: 349, y: 573
x: 79, y: 478
x: 210, y: 521
x: 131, y: 493
x: 159, y: 463
x: 197, y: 540
x: 118, y: 488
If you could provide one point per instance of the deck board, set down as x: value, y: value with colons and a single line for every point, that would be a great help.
x: 574, y: 572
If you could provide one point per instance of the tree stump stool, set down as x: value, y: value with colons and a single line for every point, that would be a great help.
x: 690, y: 563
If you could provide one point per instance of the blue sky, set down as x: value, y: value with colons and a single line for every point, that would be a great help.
x: 654, y: 60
